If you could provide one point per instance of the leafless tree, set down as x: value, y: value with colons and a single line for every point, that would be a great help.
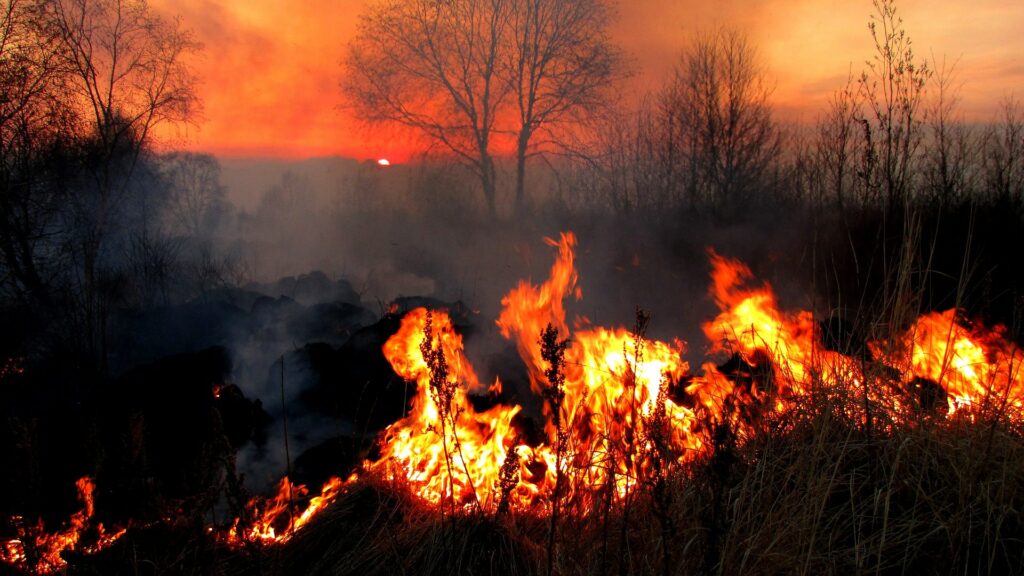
x: 949, y: 149
x: 892, y: 87
x: 837, y: 147
x: 725, y: 136
x: 125, y: 72
x: 1003, y: 155
x: 435, y: 67
x: 33, y: 120
x: 561, y: 65
x: 196, y: 195
x: 477, y: 75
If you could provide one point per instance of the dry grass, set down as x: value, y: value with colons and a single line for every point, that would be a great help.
x: 807, y: 494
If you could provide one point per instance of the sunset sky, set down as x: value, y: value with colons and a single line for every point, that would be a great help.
x: 270, y: 70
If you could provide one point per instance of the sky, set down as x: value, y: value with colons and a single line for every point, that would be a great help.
x: 269, y: 70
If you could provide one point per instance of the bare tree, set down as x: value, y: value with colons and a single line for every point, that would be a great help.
x: 197, y: 198
x: 475, y: 75
x: 727, y: 140
x: 33, y: 120
x: 1003, y: 155
x: 837, y: 147
x: 562, y: 64
x: 435, y: 67
x: 950, y: 146
x: 892, y: 87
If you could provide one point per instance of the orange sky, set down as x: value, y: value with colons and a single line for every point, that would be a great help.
x: 270, y: 69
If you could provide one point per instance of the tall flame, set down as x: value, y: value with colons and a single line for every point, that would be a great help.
x: 614, y: 410
x: 444, y: 447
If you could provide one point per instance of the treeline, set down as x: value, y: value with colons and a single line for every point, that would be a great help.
x: 893, y: 136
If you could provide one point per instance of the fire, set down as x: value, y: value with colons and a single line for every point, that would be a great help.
x: 973, y: 365
x: 39, y: 552
x: 613, y: 416
x: 620, y: 408
x: 275, y: 520
x: 444, y: 447
x: 614, y: 380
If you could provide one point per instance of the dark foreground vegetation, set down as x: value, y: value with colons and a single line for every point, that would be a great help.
x: 808, y: 494
x: 179, y: 349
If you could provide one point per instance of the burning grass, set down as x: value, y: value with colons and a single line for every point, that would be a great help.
x: 787, y: 458
x: 780, y: 456
x: 808, y: 493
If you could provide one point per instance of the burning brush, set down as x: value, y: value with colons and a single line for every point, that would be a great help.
x: 621, y: 410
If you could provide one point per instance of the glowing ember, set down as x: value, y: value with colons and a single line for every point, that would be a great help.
x: 39, y: 552
x: 12, y: 367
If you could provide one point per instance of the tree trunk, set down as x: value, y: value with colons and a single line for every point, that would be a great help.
x: 524, y: 141
x: 487, y: 180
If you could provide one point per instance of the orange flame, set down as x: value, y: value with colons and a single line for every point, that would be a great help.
x: 615, y: 410
x: 444, y: 451
x: 275, y: 520
x: 44, y: 554
x: 626, y: 406
x: 975, y: 366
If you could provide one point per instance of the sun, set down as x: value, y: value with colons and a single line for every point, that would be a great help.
x: 383, y: 162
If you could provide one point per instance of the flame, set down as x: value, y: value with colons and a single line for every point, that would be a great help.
x: 43, y: 555
x: 619, y: 407
x: 614, y: 410
x: 975, y: 366
x: 443, y: 447
x: 528, y: 309
x: 613, y: 381
x: 275, y: 520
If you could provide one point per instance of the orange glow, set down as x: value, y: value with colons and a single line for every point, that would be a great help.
x: 627, y: 409
x: 444, y: 447
x: 270, y: 69
x: 628, y: 406
x: 974, y: 365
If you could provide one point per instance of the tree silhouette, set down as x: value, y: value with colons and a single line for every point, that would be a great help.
x: 718, y: 104
x: 562, y: 65
x: 469, y: 73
